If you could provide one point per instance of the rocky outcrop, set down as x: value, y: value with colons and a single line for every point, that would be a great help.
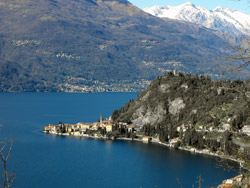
x: 144, y: 116
x: 175, y: 106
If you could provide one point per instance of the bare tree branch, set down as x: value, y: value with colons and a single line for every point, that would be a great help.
x: 179, y: 183
x: 239, y: 55
x: 2, y: 150
x: 8, y: 178
x: 4, y: 144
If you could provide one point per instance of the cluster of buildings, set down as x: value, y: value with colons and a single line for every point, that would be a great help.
x: 25, y: 42
x: 98, y: 129
x: 67, y: 56
x: 233, y: 182
x: 203, y: 128
x: 183, y: 127
x: 82, y: 85
x: 222, y: 128
x: 80, y: 128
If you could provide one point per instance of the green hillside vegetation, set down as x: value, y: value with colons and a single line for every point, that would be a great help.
x: 214, y: 112
x: 207, y: 102
x: 44, y: 42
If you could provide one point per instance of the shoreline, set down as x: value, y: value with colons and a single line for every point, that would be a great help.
x: 156, y: 141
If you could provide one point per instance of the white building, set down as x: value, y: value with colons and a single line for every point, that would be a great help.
x: 246, y: 129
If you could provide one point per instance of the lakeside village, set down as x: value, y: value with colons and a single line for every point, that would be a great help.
x: 107, y: 129
x: 102, y: 129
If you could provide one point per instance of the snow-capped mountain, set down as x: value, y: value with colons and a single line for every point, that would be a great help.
x: 220, y: 19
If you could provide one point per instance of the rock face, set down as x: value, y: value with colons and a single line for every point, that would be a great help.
x: 144, y: 116
x: 175, y: 106
x: 172, y: 100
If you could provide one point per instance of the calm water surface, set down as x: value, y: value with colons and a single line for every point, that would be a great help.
x: 46, y: 161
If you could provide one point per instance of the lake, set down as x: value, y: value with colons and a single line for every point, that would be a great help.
x: 45, y: 161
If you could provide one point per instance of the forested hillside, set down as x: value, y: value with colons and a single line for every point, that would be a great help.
x: 58, y: 45
x: 201, y: 112
x: 183, y: 98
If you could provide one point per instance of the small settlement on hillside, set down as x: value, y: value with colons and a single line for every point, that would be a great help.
x: 105, y: 129
x: 79, y: 128
x: 237, y: 181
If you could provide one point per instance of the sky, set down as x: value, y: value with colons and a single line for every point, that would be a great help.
x: 242, y: 5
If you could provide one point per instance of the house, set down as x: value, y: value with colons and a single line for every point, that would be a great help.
x: 174, y: 141
x: 84, y: 126
x: 179, y: 128
x: 201, y: 127
x: 125, y: 124
x: 183, y: 127
x: 131, y: 129
x: 211, y: 128
x: 96, y: 126
x: 237, y: 179
x: 48, y: 127
x: 228, y: 183
x: 146, y: 139
x: 77, y: 133
x: 68, y: 129
x: 75, y: 128
x: 120, y: 125
x: 109, y: 128
x: 110, y: 118
x: 246, y: 129
x: 54, y: 129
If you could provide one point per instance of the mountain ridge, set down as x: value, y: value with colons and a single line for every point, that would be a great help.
x: 219, y: 19
x: 43, y: 43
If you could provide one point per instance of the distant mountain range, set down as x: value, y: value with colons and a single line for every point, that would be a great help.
x: 64, y: 45
x: 220, y: 19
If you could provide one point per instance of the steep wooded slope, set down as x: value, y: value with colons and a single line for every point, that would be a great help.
x: 172, y: 100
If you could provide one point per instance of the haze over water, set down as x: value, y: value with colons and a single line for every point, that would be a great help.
x: 41, y: 160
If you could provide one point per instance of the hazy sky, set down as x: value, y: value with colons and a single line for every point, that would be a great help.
x: 243, y: 5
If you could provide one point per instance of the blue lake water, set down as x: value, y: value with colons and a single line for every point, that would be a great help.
x: 46, y: 161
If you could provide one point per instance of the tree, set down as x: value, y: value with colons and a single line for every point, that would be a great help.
x: 180, y: 134
x: 163, y: 135
x: 241, y: 54
x: 5, y: 155
x: 200, y: 180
